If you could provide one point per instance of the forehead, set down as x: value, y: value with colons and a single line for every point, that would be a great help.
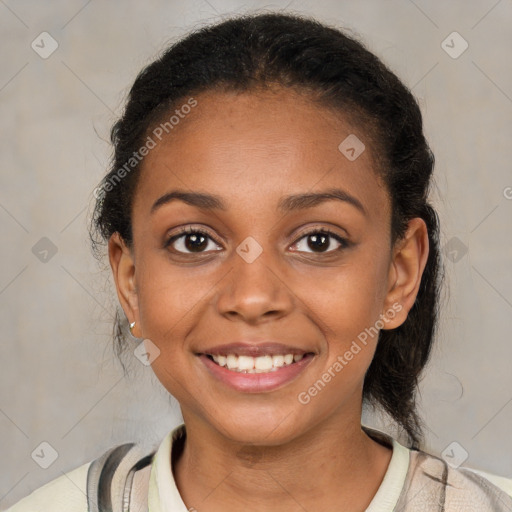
x: 255, y: 147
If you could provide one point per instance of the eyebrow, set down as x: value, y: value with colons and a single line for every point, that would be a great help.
x: 285, y: 204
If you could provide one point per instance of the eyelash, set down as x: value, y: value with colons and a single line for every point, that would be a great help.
x: 344, y: 243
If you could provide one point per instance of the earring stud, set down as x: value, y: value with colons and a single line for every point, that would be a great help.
x: 132, y: 325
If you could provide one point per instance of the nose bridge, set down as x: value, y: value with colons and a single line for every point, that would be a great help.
x: 254, y: 288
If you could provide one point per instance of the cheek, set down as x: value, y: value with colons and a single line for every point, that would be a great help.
x: 167, y: 296
x: 175, y: 306
x: 347, y: 299
x: 170, y: 301
x: 348, y: 309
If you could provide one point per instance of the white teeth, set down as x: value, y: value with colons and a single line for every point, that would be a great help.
x: 245, y: 363
x: 261, y: 364
x: 232, y: 361
x: 277, y: 361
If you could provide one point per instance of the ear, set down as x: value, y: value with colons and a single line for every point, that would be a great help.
x: 408, y: 263
x: 123, y: 269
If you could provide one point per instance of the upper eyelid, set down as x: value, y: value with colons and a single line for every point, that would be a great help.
x: 330, y: 230
x: 186, y: 230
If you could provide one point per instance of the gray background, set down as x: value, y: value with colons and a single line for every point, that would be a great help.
x: 60, y: 380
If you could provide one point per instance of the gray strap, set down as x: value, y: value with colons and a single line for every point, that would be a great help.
x: 99, y: 478
x: 119, y: 464
x: 141, y: 472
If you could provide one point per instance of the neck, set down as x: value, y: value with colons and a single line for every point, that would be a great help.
x: 334, y: 463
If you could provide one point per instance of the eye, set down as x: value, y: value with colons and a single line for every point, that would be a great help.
x: 320, y: 240
x: 191, y: 240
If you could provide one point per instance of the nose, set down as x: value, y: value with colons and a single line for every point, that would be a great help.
x: 254, y: 292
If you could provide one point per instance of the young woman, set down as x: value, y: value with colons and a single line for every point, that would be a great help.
x: 272, y: 244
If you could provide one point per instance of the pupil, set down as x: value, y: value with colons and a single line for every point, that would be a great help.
x: 319, y: 242
x: 197, y: 242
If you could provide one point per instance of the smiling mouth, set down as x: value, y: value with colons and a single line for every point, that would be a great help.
x: 260, y: 364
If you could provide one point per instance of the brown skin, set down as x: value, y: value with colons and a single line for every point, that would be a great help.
x: 267, y: 450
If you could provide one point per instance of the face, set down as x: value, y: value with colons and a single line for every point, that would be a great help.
x: 291, y: 258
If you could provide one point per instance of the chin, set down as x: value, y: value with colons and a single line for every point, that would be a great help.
x: 261, y: 428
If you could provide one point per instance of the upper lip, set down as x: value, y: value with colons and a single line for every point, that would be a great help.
x: 254, y: 350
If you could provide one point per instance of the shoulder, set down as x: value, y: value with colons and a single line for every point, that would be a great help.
x: 104, y: 478
x: 66, y: 493
x: 431, y: 483
x: 499, y: 481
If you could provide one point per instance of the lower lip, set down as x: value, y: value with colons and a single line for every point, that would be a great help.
x: 256, y: 382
